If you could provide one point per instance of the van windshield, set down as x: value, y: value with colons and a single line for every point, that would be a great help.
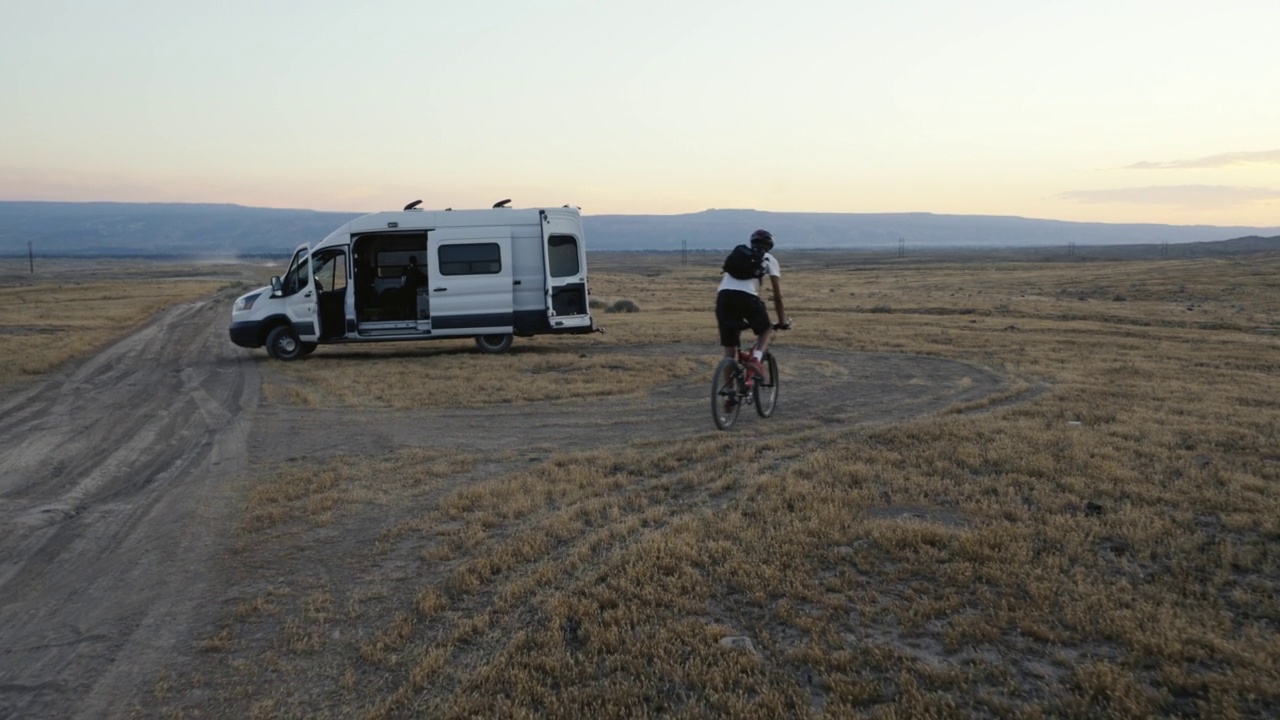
x: 299, y: 274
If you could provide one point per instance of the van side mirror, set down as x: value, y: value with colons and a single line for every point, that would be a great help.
x: 276, y: 288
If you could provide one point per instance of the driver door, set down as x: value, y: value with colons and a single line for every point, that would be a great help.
x: 298, y: 289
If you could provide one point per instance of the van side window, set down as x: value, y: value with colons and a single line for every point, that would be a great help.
x: 562, y: 255
x: 331, y: 270
x: 470, y: 259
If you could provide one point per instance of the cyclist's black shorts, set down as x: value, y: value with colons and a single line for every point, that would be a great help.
x: 736, y: 309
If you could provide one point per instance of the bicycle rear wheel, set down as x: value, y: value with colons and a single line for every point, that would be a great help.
x: 726, y: 398
x: 767, y: 387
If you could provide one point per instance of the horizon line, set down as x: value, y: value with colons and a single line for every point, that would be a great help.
x: 358, y: 213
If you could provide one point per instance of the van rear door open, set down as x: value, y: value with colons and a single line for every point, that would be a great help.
x: 469, y: 273
x: 566, y: 272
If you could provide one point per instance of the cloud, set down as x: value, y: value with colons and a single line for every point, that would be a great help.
x: 1185, y: 196
x: 1212, y: 161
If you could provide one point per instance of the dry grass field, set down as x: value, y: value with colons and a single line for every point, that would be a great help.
x: 1107, y: 546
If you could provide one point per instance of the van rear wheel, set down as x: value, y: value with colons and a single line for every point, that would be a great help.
x: 283, y: 343
x: 493, y: 344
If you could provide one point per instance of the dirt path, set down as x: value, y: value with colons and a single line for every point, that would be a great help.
x: 818, y: 387
x: 115, y: 481
x: 121, y: 481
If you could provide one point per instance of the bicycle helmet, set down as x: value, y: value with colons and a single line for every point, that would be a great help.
x: 763, y: 239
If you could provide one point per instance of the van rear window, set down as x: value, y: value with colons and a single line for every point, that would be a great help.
x: 562, y: 255
x: 470, y: 259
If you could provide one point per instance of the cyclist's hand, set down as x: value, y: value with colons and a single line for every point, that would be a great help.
x: 785, y: 324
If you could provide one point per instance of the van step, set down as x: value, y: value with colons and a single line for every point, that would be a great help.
x: 382, y: 329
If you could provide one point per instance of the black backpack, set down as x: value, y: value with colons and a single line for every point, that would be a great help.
x: 745, y: 263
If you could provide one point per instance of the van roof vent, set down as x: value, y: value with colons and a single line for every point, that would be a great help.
x: 413, y: 205
x: 502, y: 203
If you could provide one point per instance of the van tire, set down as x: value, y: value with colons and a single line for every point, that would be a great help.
x: 283, y: 343
x: 493, y: 344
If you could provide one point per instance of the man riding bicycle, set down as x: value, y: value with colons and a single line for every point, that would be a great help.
x: 738, y: 302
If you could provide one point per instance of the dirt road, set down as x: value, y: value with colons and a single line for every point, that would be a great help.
x: 115, y: 481
x: 121, y: 480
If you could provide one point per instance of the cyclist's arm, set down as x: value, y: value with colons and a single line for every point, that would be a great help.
x: 777, y: 298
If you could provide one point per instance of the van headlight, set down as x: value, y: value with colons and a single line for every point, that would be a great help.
x: 244, y: 303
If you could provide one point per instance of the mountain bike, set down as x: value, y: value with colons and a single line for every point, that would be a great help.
x: 734, y: 385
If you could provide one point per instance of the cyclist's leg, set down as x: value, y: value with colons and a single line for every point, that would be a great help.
x: 762, y: 340
x: 760, y: 324
x: 729, y: 320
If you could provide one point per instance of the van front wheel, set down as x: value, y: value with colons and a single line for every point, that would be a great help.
x: 493, y: 344
x: 283, y: 343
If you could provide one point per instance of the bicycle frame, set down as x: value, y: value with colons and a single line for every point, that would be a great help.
x: 732, y: 385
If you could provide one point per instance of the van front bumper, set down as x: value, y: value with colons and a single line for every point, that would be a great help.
x: 247, y: 334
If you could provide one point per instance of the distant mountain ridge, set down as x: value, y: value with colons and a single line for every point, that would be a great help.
x: 725, y: 228
x: 180, y: 229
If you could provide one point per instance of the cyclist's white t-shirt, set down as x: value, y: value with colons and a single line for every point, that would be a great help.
x: 753, y: 285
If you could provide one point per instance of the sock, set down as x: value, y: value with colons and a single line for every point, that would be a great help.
x: 757, y: 354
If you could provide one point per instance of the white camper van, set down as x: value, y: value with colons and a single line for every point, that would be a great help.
x: 421, y: 274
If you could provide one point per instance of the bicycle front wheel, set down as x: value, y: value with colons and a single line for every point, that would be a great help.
x: 726, y: 401
x: 767, y: 387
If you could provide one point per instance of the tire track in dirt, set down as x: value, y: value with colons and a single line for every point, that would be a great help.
x: 817, y: 387
x: 115, y: 495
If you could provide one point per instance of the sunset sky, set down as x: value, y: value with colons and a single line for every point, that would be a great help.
x: 1115, y: 111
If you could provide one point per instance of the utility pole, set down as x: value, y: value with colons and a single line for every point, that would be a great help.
x: 902, y: 247
x: 684, y: 253
x: 31, y: 258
